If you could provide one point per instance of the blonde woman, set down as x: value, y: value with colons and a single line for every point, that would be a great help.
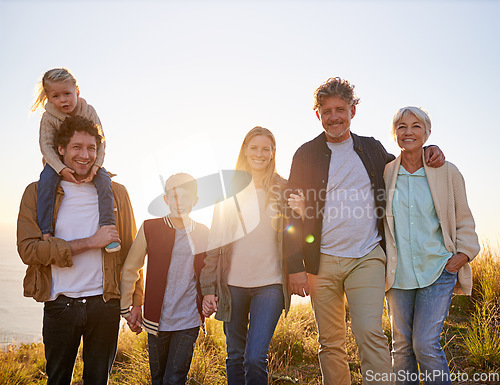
x: 244, y: 278
x: 430, y: 238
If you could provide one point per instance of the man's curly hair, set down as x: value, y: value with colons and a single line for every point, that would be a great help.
x: 335, y: 87
x: 73, y: 124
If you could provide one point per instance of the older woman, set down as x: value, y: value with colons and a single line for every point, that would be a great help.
x: 431, y: 239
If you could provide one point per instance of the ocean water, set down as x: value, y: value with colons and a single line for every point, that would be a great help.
x: 20, y: 317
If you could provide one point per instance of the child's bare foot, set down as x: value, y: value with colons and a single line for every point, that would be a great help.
x: 46, y: 237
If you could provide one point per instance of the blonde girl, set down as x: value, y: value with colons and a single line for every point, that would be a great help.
x: 59, y: 96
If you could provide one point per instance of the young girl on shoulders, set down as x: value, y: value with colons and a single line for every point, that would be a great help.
x: 58, y: 94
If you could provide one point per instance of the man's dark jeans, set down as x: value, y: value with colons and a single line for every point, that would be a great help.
x: 65, y: 321
x: 170, y: 355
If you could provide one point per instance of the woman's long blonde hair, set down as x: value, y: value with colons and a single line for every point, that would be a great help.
x: 271, y: 178
x: 242, y: 162
x: 53, y: 75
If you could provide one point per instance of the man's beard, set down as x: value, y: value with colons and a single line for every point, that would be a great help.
x: 331, y: 136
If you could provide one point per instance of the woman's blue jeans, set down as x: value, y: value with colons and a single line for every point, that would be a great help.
x: 254, y: 315
x: 417, y: 318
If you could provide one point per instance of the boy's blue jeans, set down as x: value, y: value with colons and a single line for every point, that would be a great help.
x: 65, y: 321
x: 254, y: 314
x: 46, y: 198
x: 170, y: 355
x: 417, y: 318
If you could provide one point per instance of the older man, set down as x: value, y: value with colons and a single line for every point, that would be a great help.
x: 339, y: 241
x: 71, y: 273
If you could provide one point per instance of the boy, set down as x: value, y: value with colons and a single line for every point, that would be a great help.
x: 175, y: 246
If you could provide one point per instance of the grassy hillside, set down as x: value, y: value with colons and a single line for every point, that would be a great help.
x: 471, y: 340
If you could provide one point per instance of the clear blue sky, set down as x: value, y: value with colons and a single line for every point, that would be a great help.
x: 177, y: 84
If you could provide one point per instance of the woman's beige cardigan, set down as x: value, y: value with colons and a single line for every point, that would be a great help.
x: 450, y: 200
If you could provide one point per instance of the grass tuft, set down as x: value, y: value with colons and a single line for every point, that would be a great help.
x: 482, y: 338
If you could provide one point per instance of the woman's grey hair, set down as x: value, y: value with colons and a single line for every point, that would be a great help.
x: 421, y: 115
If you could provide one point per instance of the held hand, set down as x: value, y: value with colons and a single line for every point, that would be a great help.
x: 104, y: 236
x: 93, y: 172
x: 298, y: 283
x: 209, y: 305
x: 134, y: 320
x: 456, y: 262
x: 434, y: 157
x: 67, y: 175
x: 297, y: 203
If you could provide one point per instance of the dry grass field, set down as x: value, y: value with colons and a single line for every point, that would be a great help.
x: 471, y: 340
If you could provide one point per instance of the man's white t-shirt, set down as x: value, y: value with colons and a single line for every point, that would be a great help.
x: 349, y: 221
x: 78, y: 218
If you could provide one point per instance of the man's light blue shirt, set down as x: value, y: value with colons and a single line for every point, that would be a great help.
x: 419, y: 238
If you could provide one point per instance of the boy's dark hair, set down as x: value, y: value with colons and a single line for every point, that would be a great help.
x: 73, y: 124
